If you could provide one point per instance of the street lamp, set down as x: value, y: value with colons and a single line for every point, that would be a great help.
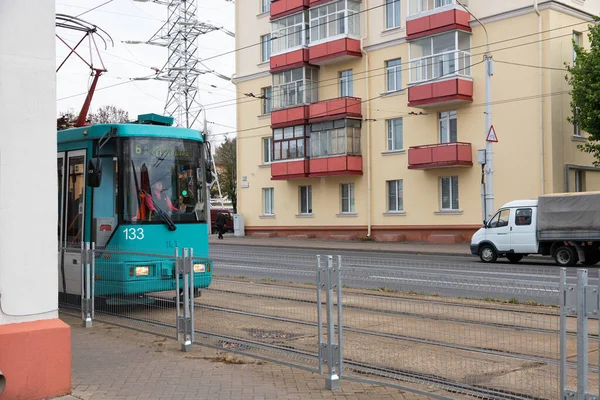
x: 487, y: 202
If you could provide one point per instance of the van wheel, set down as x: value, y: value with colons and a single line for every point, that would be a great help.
x: 566, y: 256
x: 488, y: 254
x: 514, y: 258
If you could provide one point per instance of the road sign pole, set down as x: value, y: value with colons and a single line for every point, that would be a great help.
x: 489, y: 162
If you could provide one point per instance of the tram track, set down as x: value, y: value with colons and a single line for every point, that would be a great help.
x: 362, y: 369
x: 481, y: 308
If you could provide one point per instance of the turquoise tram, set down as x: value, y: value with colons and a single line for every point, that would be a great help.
x: 138, y: 191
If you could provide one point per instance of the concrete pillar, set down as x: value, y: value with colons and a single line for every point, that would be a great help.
x: 35, y: 346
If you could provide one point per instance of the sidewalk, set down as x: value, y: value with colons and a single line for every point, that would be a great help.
x: 116, y: 363
x: 461, y: 249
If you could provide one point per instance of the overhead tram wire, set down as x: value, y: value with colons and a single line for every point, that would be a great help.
x: 376, y: 69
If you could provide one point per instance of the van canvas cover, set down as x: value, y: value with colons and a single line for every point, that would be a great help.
x: 569, y: 216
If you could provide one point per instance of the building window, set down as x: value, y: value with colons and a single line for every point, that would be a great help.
x: 392, y: 14
x: 288, y: 143
x: 265, y: 6
x: 394, y: 134
x: 337, y: 137
x: 305, y: 199
x: 346, y: 85
x: 340, y: 18
x: 265, y: 47
x: 577, y: 39
x: 579, y: 180
x: 439, y: 56
x: 395, y: 196
x: 295, y: 87
x: 289, y: 33
x: 576, y: 129
x: 393, y: 75
x: 347, y: 196
x: 267, y: 150
x: 449, y: 193
x: 268, y: 201
x: 419, y: 6
x: 266, y: 95
x: 448, y: 131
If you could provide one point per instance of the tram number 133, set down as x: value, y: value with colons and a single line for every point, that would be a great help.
x: 133, y: 233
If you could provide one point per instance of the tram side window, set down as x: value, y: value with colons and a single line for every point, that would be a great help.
x: 75, y: 201
x: 60, y: 169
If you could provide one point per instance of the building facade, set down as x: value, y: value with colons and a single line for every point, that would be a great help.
x: 364, y: 118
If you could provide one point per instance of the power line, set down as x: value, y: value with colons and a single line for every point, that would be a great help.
x: 95, y: 8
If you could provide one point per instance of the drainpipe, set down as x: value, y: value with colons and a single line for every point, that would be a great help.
x: 541, y: 77
x: 368, y: 118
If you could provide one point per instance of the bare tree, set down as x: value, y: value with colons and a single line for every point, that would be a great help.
x: 108, y: 115
x: 225, y: 160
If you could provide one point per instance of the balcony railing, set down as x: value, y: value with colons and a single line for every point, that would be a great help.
x: 335, y: 108
x: 450, y: 63
x: 440, y: 155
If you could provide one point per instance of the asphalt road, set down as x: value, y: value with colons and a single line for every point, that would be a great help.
x: 533, y: 279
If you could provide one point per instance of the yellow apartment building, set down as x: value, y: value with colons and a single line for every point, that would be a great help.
x: 365, y: 118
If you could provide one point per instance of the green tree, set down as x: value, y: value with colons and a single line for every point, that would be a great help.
x: 108, y: 114
x: 584, y: 78
x: 226, y: 162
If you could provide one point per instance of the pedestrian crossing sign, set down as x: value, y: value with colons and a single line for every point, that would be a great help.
x: 491, y: 136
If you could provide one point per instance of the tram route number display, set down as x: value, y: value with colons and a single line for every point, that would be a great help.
x: 133, y: 233
x: 161, y: 150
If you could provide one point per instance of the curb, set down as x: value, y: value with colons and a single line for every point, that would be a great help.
x: 407, y: 252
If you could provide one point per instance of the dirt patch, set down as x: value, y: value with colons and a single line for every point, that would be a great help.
x: 267, y: 334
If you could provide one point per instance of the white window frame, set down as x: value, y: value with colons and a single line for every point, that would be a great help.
x: 268, y: 201
x: 577, y: 37
x: 346, y: 83
x: 326, y: 142
x: 446, y: 64
x: 265, y: 6
x: 393, y: 74
x: 416, y: 7
x: 305, y: 200
x: 320, y: 20
x: 267, y: 150
x: 445, y: 118
x: 265, y: 47
x: 395, y: 6
x: 576, y: 128
x: 291, y: 92
x: 283, y: 37
x: 391, y: 137
x: 267, y: 100
x: 398, y: 203
x: 451, y: 182
x: 351, y: 207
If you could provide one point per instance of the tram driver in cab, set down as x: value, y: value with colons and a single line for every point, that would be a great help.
x: 161, y: 199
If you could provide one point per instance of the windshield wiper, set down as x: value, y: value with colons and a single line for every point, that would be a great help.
x: 163, y: 215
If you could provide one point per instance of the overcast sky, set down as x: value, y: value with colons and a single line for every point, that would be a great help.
x: 132, y: 20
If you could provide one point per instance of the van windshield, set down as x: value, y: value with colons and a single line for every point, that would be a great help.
x: 163, y: 175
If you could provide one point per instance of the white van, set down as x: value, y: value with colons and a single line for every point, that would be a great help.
x: 564, y: 226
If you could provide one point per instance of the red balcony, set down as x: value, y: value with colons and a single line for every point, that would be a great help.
x: 433, y: 23
x: 334, y: 51
x: 341, y: 107
x: 440, y: 155
x: 282, y: 8
x: 335, y: 165
x: 289, y: 117
x: 293, y: 169
x: 451, y: 91
x: 293, y: 59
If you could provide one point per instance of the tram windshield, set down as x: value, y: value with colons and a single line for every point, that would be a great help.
x: 163, y: 175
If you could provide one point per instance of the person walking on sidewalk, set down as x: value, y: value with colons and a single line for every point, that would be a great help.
x: 220, y: 222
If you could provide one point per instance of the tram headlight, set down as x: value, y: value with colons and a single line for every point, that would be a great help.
x: 142, y: 271
x: 199, y: 267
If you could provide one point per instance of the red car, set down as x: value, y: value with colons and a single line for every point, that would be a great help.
x: 228, y: 221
